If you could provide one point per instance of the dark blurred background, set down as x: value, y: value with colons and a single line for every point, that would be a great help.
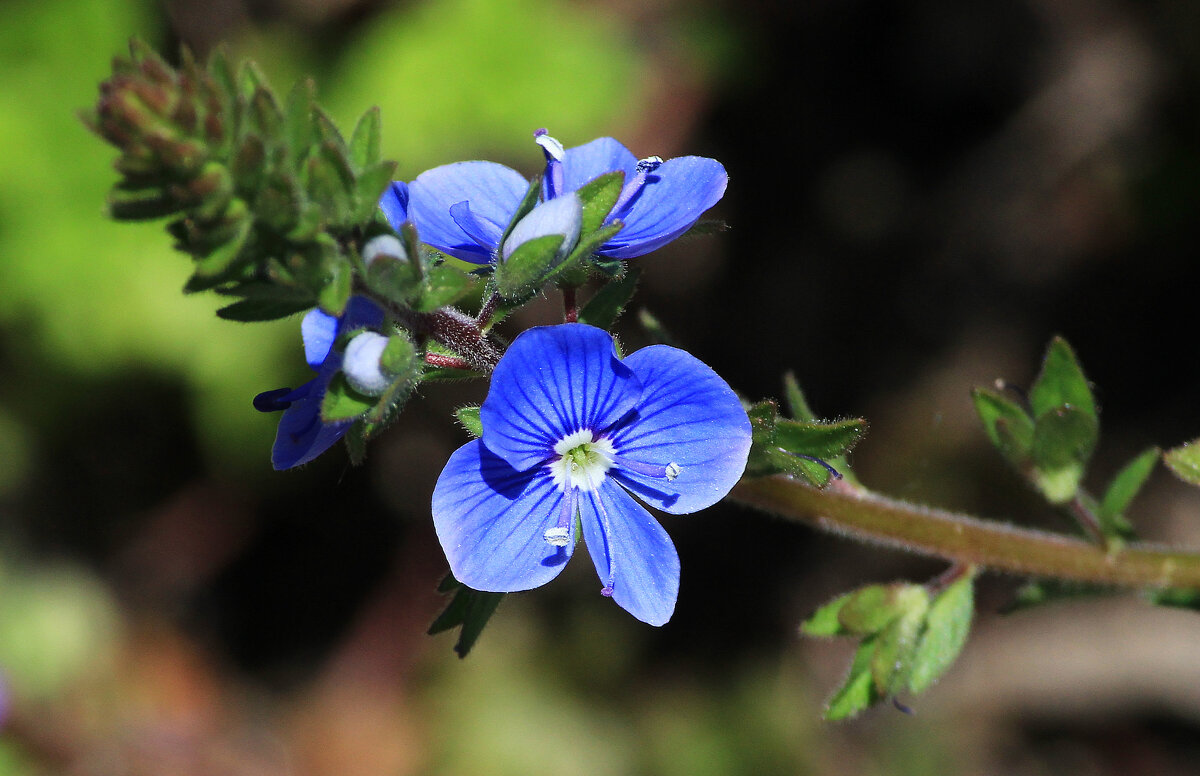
x: 921, y: 195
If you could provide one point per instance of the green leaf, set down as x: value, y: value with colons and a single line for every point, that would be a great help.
x: 1063, y: 440
x: 1061, y: 383
x: 825, y: 621
x: 369, y: 187
x: 356, y: 443
x: 249, y: 164
x: 365, y: 140
x: 444, y: 285
x: 336, y: 293
x: 525, y: 271
x: 819, y: 440
x: 217, y: 263
x: 896, y: 645
x: 250, y: 310
x: 1007, y: 424
x: 858, y: 692
x: 468, y: 417
x: 468, y: 609
x: 871, y: 609
x: 265, y: 116
x: 598, y: 197
x: 946, y: 628
x: 399, y: 356
x: 299, y: 122
x: 1046, y: 591
x: 1122, y: 490
x: 342, y: 402
x: 1184, y: 462
x: 607, y: 304
x: 141, y: 205
x: 797, y: 403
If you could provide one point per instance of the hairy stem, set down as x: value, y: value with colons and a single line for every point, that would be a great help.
x: 967, y: 540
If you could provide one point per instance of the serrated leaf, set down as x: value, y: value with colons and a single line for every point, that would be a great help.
x: 365, y: 140
x: 946, y: 627
x: 468, y: 609
x: 607, y: 304
x: 819, y: 440
x: 1061, y: 383
x: 469, y: 418
x: 1008, y: 425
x: 525, y: 271
x: 858, y: 692
x: 598, y: 197
x: 1063, y: 441
x: 342, y: 402
x: 1184, y: 462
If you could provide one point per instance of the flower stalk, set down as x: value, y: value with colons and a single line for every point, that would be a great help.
x: 959, y: 538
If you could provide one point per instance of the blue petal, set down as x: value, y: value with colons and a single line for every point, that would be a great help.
x: 485, y: 234
x: 302, y: 436
x: 394, y: 204
x: 587, y: 162
x: 360, y: 311
x: 644, y: 565
x: 675, y: 196
x: 319, y: 330
x: 491, y: 521
x: 687, y: 416
x: 493, y: 190
x: 554, y: 381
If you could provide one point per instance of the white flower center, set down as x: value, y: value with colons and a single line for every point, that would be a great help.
x: 583, y: 461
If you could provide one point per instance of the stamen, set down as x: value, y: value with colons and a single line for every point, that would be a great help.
x: 606, y: 525
x: 554, y: 151
x: 634, y: 187
x: 559, y: 535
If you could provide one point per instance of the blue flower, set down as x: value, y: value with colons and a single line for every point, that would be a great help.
x: 462, y: 209
x: 302, y: 436
x: 571, y: 433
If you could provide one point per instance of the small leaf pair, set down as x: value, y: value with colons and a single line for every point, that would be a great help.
x: 909, y: 638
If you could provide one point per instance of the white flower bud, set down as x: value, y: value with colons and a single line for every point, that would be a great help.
x: 384, y: 245
x: 561, y: 215
x: 361, y: 366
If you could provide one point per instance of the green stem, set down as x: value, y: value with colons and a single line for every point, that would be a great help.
x: 967, y: 540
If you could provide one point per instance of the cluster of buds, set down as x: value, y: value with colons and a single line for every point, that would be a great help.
x: 269, y: 200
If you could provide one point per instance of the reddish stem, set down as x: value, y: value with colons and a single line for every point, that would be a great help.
x: 444, y: 361
x: 570, y: 306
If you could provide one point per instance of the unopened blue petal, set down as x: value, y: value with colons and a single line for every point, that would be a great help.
x: 587, y: 162
x: 302, y: 436
x: 394, y: 204
x: 554, y: 381
x: 491, y: 521
x: 493, y: 190
x: 687, y: 416
x: 675, y: 196
x: 628, y: 544
x: 319, y: 330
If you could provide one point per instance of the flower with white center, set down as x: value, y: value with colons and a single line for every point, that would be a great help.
x: 571, y: 435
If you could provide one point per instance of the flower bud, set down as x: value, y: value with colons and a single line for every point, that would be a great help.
x: 383, y: 245
x: 561, y: 215
x: 361, y: 364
